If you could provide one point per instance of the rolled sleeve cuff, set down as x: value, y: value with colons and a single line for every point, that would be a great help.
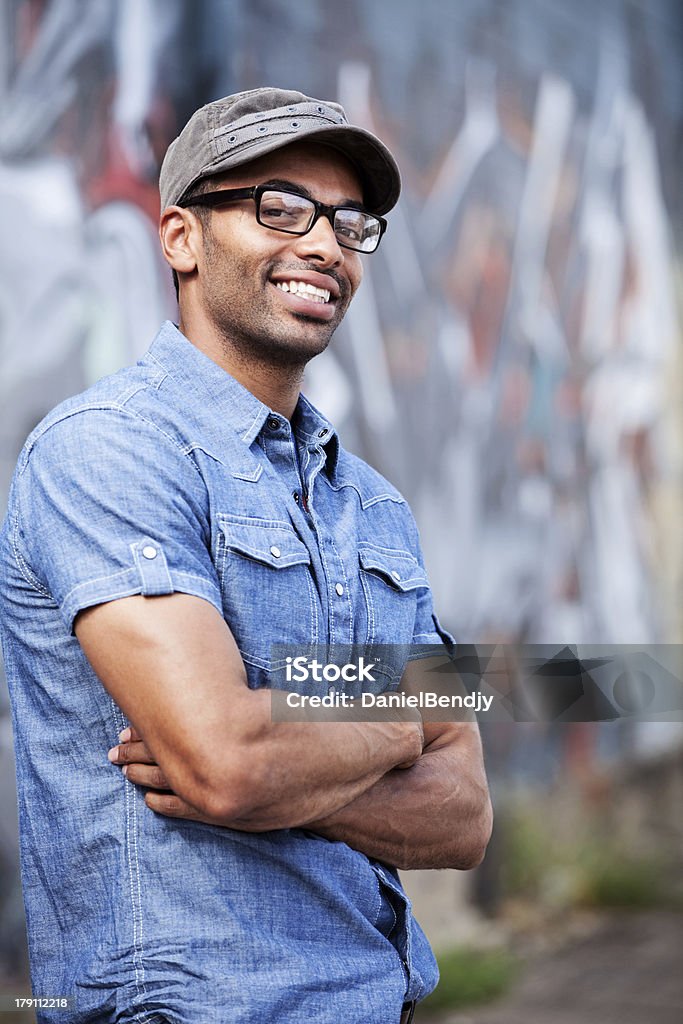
x: 149, y: 576
x: 438, y: 635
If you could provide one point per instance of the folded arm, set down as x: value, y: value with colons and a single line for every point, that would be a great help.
x: 172, y: 665
x: 437, y: 814
x: 434, y: 814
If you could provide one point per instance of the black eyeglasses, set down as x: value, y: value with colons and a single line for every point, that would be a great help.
x: 296, y: 214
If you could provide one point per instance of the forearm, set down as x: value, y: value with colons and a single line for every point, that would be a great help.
x: 436, y: 814
x: 173, y: 667
x: 304, y: 771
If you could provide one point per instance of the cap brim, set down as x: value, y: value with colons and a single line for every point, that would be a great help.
x: 376, y: 166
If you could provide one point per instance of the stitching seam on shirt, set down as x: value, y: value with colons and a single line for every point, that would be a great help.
x: 131, y: 392
x: 152, y: 574
x: 304, y: 467
x: 247, y: 432
x: 313, y: 606
x: 371, y: 546
x: 171, y: 440
x: 317, y: 416
x: 165, y: 373
x: 370, y: 607
x: 253, y: 659
x: 366, y: 502
x: 111, y: 406
x: 380, y: 573
x: 133, y: 873
x: 258, y: 555
x: 404, y: 580
x: 135, y: 893
x: 180, y: 574
x: 347, y: 591
x: 380, y: 497
x: 328, y: 580
x: 98, y: 579
x: 135, y: 589
x: 24, y: 567
x: 228, y: 518
x: 195, y: 446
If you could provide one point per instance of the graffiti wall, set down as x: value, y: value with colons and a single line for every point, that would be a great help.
x: 511, y: 363
x: 513, y: 360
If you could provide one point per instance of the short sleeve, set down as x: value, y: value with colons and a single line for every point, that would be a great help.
x: 428, y: 629
x: 108, y: 506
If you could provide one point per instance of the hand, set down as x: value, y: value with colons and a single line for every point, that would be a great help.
x: 139, y: 767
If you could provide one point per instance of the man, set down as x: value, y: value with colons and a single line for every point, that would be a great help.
x: 165, y: 529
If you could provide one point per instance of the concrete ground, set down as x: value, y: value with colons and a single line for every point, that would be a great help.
x: 629, y: 970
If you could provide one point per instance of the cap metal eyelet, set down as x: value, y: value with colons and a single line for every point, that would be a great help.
x: 263, y: 128
x: 231, y: 138
x: 295, y: 124
x: 321, y: 110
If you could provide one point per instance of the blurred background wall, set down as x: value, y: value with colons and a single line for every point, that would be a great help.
x: 513, y: 360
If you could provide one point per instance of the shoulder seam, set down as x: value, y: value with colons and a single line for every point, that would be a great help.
x: 116, y: 407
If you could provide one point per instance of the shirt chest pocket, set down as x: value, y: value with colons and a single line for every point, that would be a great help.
x: 267, y: 587
x: 391, y: 580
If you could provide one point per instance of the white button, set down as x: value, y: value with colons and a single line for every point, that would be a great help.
x: 395, y: 574
x: 149, y: 551
x: 275, y: 552
x: 339, y: 589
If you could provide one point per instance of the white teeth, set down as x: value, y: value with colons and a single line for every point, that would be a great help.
x: 303, y: 288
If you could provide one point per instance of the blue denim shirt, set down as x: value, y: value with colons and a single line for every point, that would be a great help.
x: 146, y: 918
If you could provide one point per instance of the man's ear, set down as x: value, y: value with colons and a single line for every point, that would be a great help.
x: 180, y: 235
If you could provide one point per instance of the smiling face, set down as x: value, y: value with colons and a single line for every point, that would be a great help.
x: 269, y: 296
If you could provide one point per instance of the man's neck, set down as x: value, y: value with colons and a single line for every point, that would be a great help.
x: 276, y: 386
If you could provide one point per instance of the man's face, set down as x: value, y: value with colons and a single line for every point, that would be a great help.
x: 245, y: 265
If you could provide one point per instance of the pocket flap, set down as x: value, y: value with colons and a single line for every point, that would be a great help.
x: 398, y: 568
x: 273, y: 544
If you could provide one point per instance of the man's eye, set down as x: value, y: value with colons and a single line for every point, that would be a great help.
x: 351, y: 225
x: 349, y: 231
x: 284, y: 211
x: 273, y: 212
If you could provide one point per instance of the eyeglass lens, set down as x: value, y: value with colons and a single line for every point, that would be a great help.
x: 286, y: 211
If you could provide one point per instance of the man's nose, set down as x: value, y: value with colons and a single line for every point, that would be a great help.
x: 320, y: 243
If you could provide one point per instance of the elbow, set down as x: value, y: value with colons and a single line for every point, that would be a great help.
x: 232, y: 795
x: 469, y: 839
x: 222, y: 806
x: 472, y: 853
x: 221, y: 793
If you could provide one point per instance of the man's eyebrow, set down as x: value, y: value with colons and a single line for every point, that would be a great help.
x: 294, y: 186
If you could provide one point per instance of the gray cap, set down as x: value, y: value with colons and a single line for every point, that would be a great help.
x: 240, y: 128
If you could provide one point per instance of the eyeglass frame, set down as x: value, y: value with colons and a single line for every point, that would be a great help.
x: 255, y: 192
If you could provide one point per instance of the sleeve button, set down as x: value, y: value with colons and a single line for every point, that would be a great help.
x: 149, y: 552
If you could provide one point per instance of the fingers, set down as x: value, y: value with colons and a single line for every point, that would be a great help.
x: 171, y: 806
x: 129, y: 734
x: 130, y: 753
x: 149, y: 776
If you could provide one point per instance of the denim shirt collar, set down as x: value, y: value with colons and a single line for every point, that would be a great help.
x: 220, y: 401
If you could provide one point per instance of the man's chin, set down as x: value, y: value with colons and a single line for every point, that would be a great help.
x: 297, y: 351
